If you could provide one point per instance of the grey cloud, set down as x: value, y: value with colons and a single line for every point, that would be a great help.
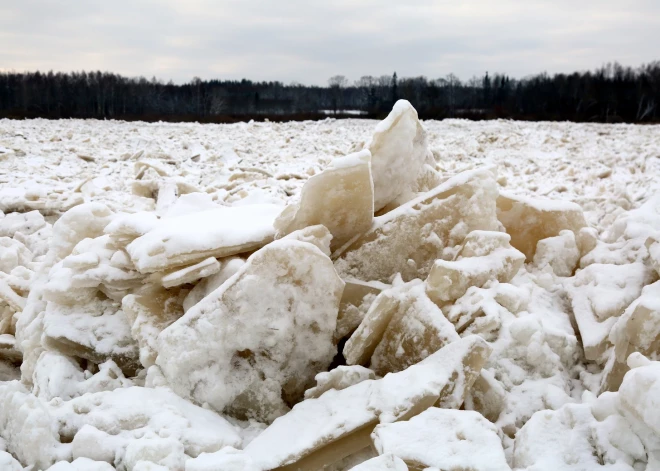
x: 308, y: 41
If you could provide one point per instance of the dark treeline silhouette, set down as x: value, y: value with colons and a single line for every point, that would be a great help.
x: 612, y: 93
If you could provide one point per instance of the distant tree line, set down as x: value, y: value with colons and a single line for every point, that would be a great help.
x: 612, y: 93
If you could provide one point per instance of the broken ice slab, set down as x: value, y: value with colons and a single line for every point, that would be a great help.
x: 185, y: 240
x: 339, y: 423
x: 387, y: 462
x: 599, y: 295
x: 341, y: 198
x: 339, y: 378
x: 560, y: 253
x: 96, y: 330
x: 8, y: 350
x: 9, y: 296
x: 451, y: 440
x: 150, y: 311
x: 317, y: 235
x: 485, y: 256
x: 653, y: 246
x: 253, y: 346
x: 402, y: 327
x: 206, y: 286
x: 207, y: 267
x: 355, y: 302
x: 109, y: 426
x: 637, y: 330
x: 487, y: 396
x: 29, y: 430
x: 42, y: 199
x: 125, y: 228
x: 410, y: 238
x: 399, y: 150
x: 529, y: 220
x: 25, y: 223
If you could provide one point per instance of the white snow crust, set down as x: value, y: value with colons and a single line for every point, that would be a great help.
x: 442, y: 295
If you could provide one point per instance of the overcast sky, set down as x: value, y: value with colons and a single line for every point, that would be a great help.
x: 308, y: 41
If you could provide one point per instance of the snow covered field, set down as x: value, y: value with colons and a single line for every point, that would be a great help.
x: 500, y: 311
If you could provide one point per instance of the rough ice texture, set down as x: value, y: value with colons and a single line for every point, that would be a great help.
x: 82, y: 464
x: 24, y: 422
x: 188, y: 239
x: 149, y: 312
x: 560, y: 253
x: 529, y: 220
x: 227, y: 459
x: 485, y: 256
x: 207, y: 267
x: 339, y: 423
x: 450, y: 440
x: 625, y: 241
x: 386, y: 462
x: 8, y: 463
x: 355, y: 302
x: 637, y: 330
x: 206, y: 286
x: 599, y: 295
x: 317, y: 235
x: 339, y: 378
x: 59, y: 376
x: 341, y: 198
x: 398, y: 151
x: 254, y: 345
x: 402, y: 327
x: 653, y: 246
x: 617, y: 431
x: 128, y: 424
x: 409, y: 239
x: 97, y: 331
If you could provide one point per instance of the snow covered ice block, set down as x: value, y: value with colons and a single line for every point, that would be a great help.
x: 317, y: 235
x: 355, y: 302
x: 572, y: 439
x: 149, y: 312
x: 487, y: 396
x: 253, y: 346
x: 639, y: 396
x: 339, y: 378
x: 188, y: 239
x: 451, y: 440
x: 97, y: 331
x: 599, y: 295
x: 402, y: 327
x: 25, y: 223
x: 341, y: 198
x: 529, y: 220
x: 387, y: 462
x: 227, y: 459
x: 8, y: 463
x: 398, y: 151
x: 653, y: 246
x: 637, y: 330
x: 339, y: 423
x: 206, y: 286
x: 560, y: 253
x: 207, y: 267
x: 28, y: 428
x: 125, y: 228
x: 13, y: 254
x: 86, y: 221
x: 105, y: 426
x: 409, y: 239
x: 81, y: 464
x: 485, y: 256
